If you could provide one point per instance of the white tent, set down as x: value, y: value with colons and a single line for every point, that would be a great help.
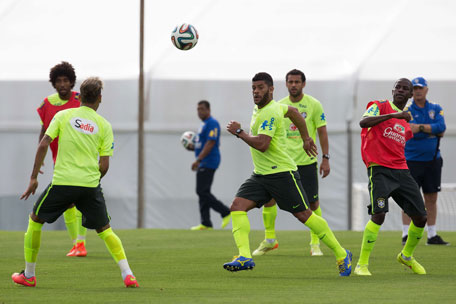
x: 350, y: 51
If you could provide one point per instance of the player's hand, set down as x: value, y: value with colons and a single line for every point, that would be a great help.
x: 31, y: 188
x: 403, y: 115
x: 233, y: 126
x: 190, y: 147
x: 310, y: 147
x: 324, y: 167
x: 415, y: 128
x: 195, y: 165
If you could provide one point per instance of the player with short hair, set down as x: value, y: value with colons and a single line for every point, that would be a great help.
x: 423, y: 155
x: 63, y: 78
x: 275, y: 175
x: 312, y: 111
x: 207, y: 161
x: 385, y: 130
x: 86, y: 143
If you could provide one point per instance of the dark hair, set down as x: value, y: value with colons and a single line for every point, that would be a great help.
x: 296, y: 72
x: 62, y: 69
x: 205, y: 103
x: 265, y: 77
x: 407, y: 80
x: 91, y: 89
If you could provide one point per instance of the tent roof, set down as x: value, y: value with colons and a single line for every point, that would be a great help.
x: 326, y: 39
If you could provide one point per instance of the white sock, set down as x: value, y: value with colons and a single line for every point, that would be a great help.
x: 81, y: 238
x: 270, y: 241
x: 29, y: 269
x: 124, y: 268
x: 432, y: 231
x: 405, y: 229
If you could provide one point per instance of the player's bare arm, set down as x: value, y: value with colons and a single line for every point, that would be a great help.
x: 260, y: 142
x: 39, y: 157
x: 205, y: 152
x: 103, y: 165
x: 370, y: 121
x: 40, y: 137
x: 324, y: 143
x: 299, y: 121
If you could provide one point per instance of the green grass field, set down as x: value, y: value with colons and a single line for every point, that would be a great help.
x: 177, y: 266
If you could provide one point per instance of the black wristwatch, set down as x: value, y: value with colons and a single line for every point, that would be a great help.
x: 421, y: 128
x: 325, y: 156
x: 238, y: 131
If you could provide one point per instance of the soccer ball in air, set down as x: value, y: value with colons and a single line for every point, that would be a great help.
x: 184, y: 37
x: 188, y: 138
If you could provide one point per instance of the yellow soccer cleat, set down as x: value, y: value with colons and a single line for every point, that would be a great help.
x: 264, y: 247
x: 315, y: 250
x: 200, y: 227
x: 225, y: 221
x: 411, y: 263
x: 362, y: 270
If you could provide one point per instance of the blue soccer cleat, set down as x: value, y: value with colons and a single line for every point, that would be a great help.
x: 345, y: 265
x: 239, y: 263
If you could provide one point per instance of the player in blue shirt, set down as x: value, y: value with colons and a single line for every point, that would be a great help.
x: 207, y: 161
x: 423, y: 155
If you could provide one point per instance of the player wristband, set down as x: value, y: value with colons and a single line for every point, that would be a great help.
x: 325, y: 156
x: 238, y: 131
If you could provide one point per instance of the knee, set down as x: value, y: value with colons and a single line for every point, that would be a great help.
x: 314, y: 205
x: 378, y: 218
x: 238, y: 205
x: 101, y: 229
x: 271, y: 203
x: 303, y: 216
x: 35, y: 218
x: 419, y: 221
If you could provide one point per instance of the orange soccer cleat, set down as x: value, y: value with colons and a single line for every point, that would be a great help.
x: 19, y: 278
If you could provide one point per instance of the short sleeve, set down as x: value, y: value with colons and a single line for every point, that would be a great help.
x: 213, y: 130
x: 54, y: 128
x: 269, y: 119
x: 319, y: 116
x: 373, y: 110
x: 107, y: 141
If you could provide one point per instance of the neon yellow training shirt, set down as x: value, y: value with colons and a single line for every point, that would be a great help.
x: 269, y: 121
x: 55, y: 100
x: 83, y: 136
x: 374, y: 111
x: 312, y: 111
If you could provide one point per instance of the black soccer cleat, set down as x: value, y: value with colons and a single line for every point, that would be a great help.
x: 404, y: 240
x: 436, y: 240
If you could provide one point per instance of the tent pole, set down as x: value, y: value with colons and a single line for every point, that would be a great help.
x: 349, y: 174
x: 140, y: 215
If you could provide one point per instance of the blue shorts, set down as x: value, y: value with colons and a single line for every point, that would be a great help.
x: 427, y: 174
